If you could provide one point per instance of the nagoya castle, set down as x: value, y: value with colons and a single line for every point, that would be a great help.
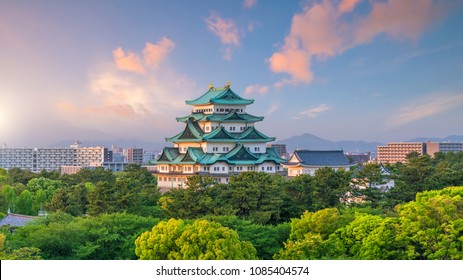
x: 219, y: 140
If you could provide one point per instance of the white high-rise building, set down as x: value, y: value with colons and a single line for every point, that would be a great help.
x: 49, y: 159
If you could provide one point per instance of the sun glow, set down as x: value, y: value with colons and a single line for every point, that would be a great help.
x: 3, y: 124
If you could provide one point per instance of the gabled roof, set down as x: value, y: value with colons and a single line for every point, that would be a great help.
x: 319, y: 158
x: 16, y: 220
x: 253, y: 134
x: 232, y: 116
x: 192, y: 155
x: 240, y: 153
x: 194, y: 133
x: 191, y: 132
x: 219, y: 134
x: 168, y: 155
x: 224, y: 96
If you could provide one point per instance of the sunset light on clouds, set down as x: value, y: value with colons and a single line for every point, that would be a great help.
x: 374, y: 70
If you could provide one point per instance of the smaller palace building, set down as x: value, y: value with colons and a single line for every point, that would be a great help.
x: 307, y: 161
x: 219, y: 140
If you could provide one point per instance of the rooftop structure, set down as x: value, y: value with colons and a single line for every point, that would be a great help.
x: 219, y: 139
x: 16, y: 220
x: 307, y: 161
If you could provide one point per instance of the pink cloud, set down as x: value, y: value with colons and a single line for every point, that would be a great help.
x: 129, y: 62
x: 155, y: 53
x: 225, y: 29
x: 397, y: 18
x: 256, y: 88
x: 321, y: 31
x: 249, y: 3
x: 293, y: 61
x: 424, y: 107
x: 315, y: 111
x: 346, y: 6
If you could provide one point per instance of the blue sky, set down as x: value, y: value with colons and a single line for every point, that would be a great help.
x: 375, y: 70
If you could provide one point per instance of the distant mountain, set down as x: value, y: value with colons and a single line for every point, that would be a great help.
x: 451, y: 138
x: 123, y: 143
x: 313, y: 142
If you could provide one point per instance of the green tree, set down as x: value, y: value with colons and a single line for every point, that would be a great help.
x: 25, y: 253
x: 39, y: 200
x: 25, y: 201
x: 198, y: 199
x: 87, y: 175
x: 61, y: 236
x: 267, y: 239
x: 297, y: 196
x: 48, y: 186
x: 256, y: 196
x: 202, y: 240
x: 17, y: 175
x: 432, y: 225
x: 330, y: 187
x: 4, y: 177
x: 72, y: 200
x: 102, y: 199
x: 413, y: 177
x: 309, y: 235
x: 369, y: 174
x: 9, y: 195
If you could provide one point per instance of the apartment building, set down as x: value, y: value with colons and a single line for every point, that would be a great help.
x: 135, y: 155
x: 52, y: 159
x: 444, y: 147
x: 397, y: 151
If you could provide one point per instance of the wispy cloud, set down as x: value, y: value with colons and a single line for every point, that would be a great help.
x: 115, y: 97
x: 153, y: 55
x: 314, y: 111
x: 249, y: 3
x: 226, y: 30
x: 273, y: 108
x: 129, y: 62
x: 322, y: 30
x: 256, y: 88
x: 423, y: 108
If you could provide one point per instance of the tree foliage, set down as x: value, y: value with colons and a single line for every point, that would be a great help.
x: 61, y: 236
x: 429, y: 228
x: 201, y: 240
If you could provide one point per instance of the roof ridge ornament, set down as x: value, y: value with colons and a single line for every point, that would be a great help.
x: 227, y: 85
x: 210, y: 86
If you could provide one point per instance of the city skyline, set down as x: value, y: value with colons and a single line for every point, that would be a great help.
x: 342, y: 70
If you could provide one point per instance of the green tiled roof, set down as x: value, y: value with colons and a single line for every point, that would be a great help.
x: 220, y: 134
x: 223, y: 96
x: 253, y: 134
x: 239, y: 155
x: 169, y: 154
x: 194, y: 133
x: 232, y: 116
